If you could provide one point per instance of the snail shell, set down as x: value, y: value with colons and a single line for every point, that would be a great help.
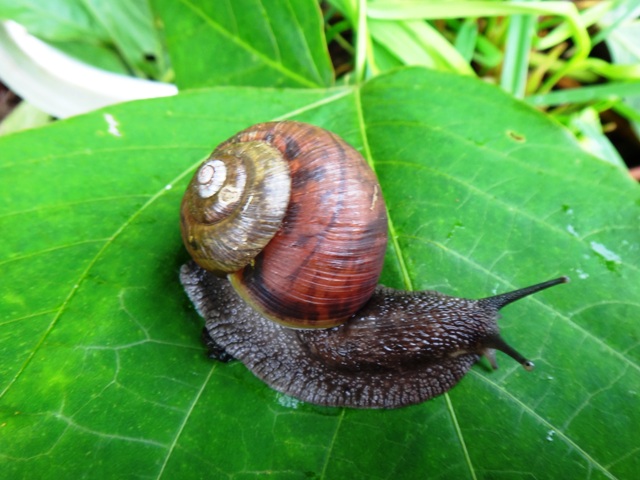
x: 296, y: 218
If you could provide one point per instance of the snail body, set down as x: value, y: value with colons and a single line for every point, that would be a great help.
x: 316, y: 325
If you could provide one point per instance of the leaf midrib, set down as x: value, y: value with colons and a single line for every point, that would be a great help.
x: 279, y: 67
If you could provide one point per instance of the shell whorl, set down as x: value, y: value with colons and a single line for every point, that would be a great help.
x: 234, y: 205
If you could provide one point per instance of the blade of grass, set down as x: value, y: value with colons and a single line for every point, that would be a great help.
x: 616, y: 72
x: 487, y: 54
x: 562, y: 32
x: 418, y: 43
x: 592, y: 138
x: 543, y: 64
x: 356, y: 12
x: 363, y: 41
x: 609, y: 91
x: 626, y: 111
x: 515, y: 67
x: 466, y: 39
x: 405, y: 10
x: 554, y: 64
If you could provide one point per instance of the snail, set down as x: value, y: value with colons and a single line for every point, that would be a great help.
x: 287, y: 229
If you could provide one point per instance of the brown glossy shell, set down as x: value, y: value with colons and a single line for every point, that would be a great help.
x: 323, y: 262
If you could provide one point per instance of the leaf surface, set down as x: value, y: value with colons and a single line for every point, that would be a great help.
x: 101, y: 368
x: 246, y: 42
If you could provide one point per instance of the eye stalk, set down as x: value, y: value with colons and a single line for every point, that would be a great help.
x: 497, y: 302
x: 504, y: 299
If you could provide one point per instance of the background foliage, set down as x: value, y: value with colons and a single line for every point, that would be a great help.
x: 101, y: 370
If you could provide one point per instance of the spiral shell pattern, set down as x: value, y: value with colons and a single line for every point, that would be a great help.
x: 234, y: 205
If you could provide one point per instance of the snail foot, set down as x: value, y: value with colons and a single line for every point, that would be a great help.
x: 214, y: 350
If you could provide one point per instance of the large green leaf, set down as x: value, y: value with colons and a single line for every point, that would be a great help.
x: 101, y: 368
x: 246, y: 42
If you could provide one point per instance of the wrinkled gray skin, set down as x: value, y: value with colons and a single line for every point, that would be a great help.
x: 401, y: 348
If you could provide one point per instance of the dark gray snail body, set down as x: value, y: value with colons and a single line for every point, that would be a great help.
x: 396, y: 348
